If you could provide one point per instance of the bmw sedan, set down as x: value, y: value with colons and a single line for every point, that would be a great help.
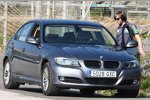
x: 64, y: 54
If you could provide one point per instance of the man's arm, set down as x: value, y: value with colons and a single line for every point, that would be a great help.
x: 140, y: 47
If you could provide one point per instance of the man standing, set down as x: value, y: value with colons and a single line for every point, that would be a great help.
x: 121, y: 19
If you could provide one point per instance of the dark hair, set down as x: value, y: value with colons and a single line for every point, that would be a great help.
x: 122, y: 15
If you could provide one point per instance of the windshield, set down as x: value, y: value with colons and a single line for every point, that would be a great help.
x: 77, y: 34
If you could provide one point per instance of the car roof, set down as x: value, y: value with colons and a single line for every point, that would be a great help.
x: 64, y: 21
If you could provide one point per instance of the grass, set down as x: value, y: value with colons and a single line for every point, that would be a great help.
x: 144, y: 88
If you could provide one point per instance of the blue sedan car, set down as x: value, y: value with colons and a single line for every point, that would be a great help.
x: 63, y: 54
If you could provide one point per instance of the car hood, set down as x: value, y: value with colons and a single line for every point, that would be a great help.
x: 88, y: 52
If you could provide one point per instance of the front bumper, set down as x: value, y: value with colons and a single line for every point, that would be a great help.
x: 66, y: 77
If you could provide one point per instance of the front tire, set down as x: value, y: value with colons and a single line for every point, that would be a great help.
x: 48, y: 87
x: 127, y: 93
x: 8, y: 78
x: 87, y: 91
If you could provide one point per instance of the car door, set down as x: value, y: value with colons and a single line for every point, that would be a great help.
x: 32, y: 54
x: 18, y: 45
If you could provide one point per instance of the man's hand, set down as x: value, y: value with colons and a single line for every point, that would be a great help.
x: 140, y: 47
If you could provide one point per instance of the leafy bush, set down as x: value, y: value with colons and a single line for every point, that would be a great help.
x: 145, y: 86
x: 107, y: 92
x: 144, y: 36
x: 146, y: 66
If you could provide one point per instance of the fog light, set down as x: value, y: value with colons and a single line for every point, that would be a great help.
x: 61, y: 78
x: 135, y: 82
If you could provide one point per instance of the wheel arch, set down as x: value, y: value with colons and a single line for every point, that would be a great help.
x: 52, y: 90
x: 5, y: 58
x: 43, y: 62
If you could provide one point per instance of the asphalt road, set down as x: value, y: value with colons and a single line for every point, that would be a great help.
x: 32, y: 92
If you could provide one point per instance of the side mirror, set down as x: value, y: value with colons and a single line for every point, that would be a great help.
x: 132, y: 44
x: 32, y: 40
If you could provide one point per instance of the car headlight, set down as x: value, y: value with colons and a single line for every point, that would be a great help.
x: 131, y: 64
x: 66, y: 61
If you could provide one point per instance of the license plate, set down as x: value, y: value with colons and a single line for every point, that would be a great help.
x: 96, y: 73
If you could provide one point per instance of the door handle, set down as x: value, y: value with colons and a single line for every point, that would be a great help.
x: 23, y: 49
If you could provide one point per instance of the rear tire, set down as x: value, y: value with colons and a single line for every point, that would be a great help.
x: 87, y: 91
x: 127, y: 93
x: 8, y: 78
x: 48, y: 87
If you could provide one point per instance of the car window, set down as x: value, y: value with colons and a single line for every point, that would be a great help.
x: 23, y: 33
x: 78, y: 34
x: 59, y: 30
x: 101, y: 34
x: 36, y: 31
x: 18, y: 33
x: 107, y: 37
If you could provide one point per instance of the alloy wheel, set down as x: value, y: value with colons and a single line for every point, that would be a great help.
x: 7, y: 73
x: 45, y: 79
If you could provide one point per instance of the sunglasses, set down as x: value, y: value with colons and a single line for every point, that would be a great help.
x: 117, y: 18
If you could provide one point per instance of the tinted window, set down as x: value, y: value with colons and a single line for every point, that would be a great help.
x: 36, y: 31
x: 24, y: 32
x: 18, y: 34
x: 78, y: 35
